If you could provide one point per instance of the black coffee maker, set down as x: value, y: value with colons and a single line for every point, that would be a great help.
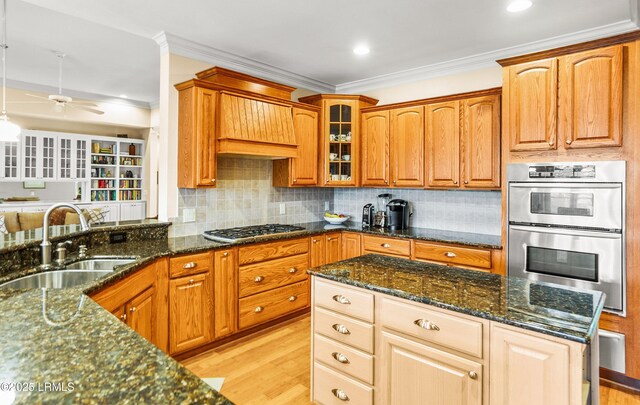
x: 398, y: 214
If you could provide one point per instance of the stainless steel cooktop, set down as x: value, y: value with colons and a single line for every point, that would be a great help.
x: 244, y: 233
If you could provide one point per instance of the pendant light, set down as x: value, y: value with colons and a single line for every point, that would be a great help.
x: 9, y: 131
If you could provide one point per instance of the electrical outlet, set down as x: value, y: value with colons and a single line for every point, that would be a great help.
x: 282, y: 208
x: 189, y: 215
x: 326, y: 205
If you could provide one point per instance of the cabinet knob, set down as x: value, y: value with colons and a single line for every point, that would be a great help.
x: 123, y: 317
x: 292, y: 298
x: 450, y: 254
x: 340, y: 357
x: 330, y: 239
x: 294, y: 180
x: 341, y: 329
x: 424, y: 324
x: 191, y: 281
x: 455, y: 182
x: 341, y: 299
x: 258, y: 279
x: 466, y: 182
x: 225, y: 254
x: 258, y: 309
x: 315, y: 241
x: 133, y: 309
x: 213, y: 180
x: 568, y: 141
x: 551, y: 142
x: 473, y: 375
x: 386, y: 182
x: 341, y: 395
x: 189, y: 265
x: 395, y: 181
x: 385, y: 245
x: 292, y: 270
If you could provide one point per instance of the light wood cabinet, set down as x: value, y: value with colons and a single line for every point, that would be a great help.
x: 375, y: 148
x: 317, y: 251
x: 325, y: 248
x: 303, y: 169
x: 386, y: 246
x: 141, y: 313
x: 197, y: 109
x: 333, y: 247
x: 590, y: 94
x: 443, y: 142
x: 458, y: 256
x: 351, y: 245
x: 225, y: 293
x: 190, y: 312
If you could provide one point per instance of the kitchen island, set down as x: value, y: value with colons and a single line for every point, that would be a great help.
x: 389, y: 330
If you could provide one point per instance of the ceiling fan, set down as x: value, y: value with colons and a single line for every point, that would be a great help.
x: 62, y: 101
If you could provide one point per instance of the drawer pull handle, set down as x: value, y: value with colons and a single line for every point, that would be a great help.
x: 315, y: 241
x: 450, y: 254
x: 340, y: 357
x: 330, y: 239
x: 292, y: 270
x: 258, y: 279
x: 341, y: 329
x: 225, y: 254
x: 341, y: 395
x: 191, y: 281
x: 341, y: 299
x: 473, y: 375
x: 123, y: 317
x: 189, y: 265
x: 213, y: 180
x: 385, y: 245
x: 258, y: 309
x: 293, y: 298
x: 424, y: 324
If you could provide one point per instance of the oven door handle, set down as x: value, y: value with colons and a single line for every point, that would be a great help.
x: 534, y: 185
x: 567, y: 231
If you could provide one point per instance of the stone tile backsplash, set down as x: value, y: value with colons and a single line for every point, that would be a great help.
x: 245, y: 196
x: 462, y: 211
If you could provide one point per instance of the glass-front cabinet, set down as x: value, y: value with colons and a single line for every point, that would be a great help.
x: 10, y: 162
x: 339, y: 163
x: 39, y: 156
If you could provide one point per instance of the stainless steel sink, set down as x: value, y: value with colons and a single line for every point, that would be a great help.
x: 56, y: 279
x: 98, y: 264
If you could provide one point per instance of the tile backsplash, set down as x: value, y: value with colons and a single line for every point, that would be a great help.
x: 462, y: 211
x: 245, y: 196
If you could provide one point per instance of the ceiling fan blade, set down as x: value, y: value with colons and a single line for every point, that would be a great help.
x: 40, y: 97
x: 85, y: 103
x: 81, y: 107
x: 28, y: 102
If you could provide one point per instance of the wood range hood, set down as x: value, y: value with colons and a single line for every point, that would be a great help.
x: 253, y: 116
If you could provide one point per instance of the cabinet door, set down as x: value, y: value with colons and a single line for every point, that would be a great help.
x: 527, y: 370
x: 351, y: 245
x: 443, y: 142
x: 65, y: 158
x: 407, y: 147
x: 190, y: 312
x: 375, y: 148
x: 532, y: 113
x: 590, y: 86
x: 10, y: 161
x: 39, y: 156
x: 47, y: 160
x: 333, y: 247
x: 79, y: 156
x: 304, y: 168
x: 415, y: 373
x: 120, y: 313
x: 340, y: 142
x: 132, y: 211
x: 225, y: 297
x: 317, y: 251
x: 205, y: 138
x: 480, y: 143
x: 141, y: 314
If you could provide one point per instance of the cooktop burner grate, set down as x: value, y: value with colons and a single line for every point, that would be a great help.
x: 250, y: 232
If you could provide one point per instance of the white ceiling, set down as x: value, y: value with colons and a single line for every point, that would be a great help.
x: 111, y: 48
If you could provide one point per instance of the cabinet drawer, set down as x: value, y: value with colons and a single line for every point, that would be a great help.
x: 400, y: 247
x: 263, y: 276
x: 480, y: 258
x: 343, y: 358
x: 343, y: 329
x: 329, y: 386
x: 344, y: 300
x: 461, y: 334
x: 271, y: 304
x: 273, y: 250
x: 190, y: 264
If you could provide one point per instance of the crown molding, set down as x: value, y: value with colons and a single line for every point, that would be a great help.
x: 40, y: 88
x: 634, y: 11
x: 484, y: 60
x: 184, y: 47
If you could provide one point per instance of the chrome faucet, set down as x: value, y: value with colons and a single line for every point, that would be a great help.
x: 45, y: 246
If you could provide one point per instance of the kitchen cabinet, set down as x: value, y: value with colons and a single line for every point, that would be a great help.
x: 138, y: 301
x: 339, y: 137
x: 191, y: 317
x: 38, y: 156
x: 351, y: 245
x: 303, y: 169
x: 325, y: 248
x: 463, y: 143
x: 333, y: 247
x: 386, y: 246
x: 73, y: 151
x: 132, y: 211
x: 375, y: 148
x: 10, y: 161
x: 225, y: 296
x: 111, y: 211
x: 451, y: 255
x: 197, y: 108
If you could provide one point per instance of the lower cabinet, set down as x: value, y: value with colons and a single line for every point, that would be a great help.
x: 325, y: 248
x: 351, y: 245
x: 451, y: 255
x: 386, y: 246
x: 225, y: 296
x: 132, y: 211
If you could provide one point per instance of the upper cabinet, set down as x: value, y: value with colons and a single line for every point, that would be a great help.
x: 375, y: 148
x: 339, y: 163
x: 10, y: 162
x: 303, y: 169
x: 443, y: 140
x: 570, y: 101
x: 39, y: 157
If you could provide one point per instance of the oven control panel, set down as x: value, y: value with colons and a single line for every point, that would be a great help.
x: 562, y: 171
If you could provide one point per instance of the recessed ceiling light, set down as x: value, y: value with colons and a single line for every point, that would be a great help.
x: 123, y: 96
x: 519, y: 5
x: 361, y: 50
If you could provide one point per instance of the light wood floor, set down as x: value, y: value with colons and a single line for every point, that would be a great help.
x: 273, y: 367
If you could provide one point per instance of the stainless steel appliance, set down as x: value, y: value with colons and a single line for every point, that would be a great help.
x: 368, y: 215
x: 566, y: 226
x: 254, y: 232
x: 398, y: 213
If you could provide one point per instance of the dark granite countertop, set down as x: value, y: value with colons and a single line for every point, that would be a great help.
x: 551, y: 309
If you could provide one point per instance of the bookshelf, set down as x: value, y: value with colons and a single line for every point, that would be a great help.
x: 117, y: 170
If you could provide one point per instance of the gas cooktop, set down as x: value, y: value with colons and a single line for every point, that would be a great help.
x: 244, y: 233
